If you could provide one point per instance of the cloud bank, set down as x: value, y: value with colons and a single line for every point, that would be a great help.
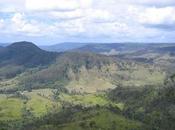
x: 53, y: 21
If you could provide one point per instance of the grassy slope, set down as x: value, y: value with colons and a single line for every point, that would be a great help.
x: 10, y: 108
x: 91, y: 80
x: 140, y: 76
x: 89, y: 100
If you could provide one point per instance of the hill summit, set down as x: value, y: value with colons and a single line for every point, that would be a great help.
x: 25, y: 53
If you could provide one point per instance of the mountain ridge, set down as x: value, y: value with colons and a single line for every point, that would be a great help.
x: 61, y: 47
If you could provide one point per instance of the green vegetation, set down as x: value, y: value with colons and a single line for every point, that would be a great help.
x: 10, y: 108
x: 92, y: 118
x: 85, y: 91
x: 10, y: 71
x: 153, y: 106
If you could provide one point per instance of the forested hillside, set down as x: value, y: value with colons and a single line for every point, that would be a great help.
x: 42, y: 90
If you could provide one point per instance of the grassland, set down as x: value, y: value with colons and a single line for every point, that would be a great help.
x: 40, y: 102
x: 10, y: 108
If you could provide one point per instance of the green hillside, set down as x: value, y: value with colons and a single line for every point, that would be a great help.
x: 41, y: 90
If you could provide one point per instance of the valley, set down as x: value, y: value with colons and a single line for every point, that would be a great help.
x: 88, y: 87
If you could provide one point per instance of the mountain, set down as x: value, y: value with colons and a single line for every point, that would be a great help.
x: 112, y: 48
x: 83, y: 90
x: 25, y: 53
x: 63, y: 46
x: 90, y: 73
x: 77, y: 71
x: 170, y: 49
x: 1, y: 47
x: 4, y: 44
x: 84, y: 72
x: 120, y: 48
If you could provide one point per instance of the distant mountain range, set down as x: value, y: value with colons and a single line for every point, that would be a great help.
x: 106, y: 48
x: 110, y: 48
x: 28, y: 54
x: 61, y: 47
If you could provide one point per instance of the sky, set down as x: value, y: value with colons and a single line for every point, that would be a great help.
x: 47, y: 22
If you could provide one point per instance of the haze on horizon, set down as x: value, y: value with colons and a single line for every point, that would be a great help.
x: 54, y: 21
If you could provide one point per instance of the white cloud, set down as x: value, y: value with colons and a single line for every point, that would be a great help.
x: 85, y: 3
x: 100, y: 16
x: 70, y: 28
x: 66, y: 15
x: 114, y: 19
x: 158, y: 3
x: 18, y: 19
x: 61, y: 5
x: 1, y: 23
x: 158, y: 16
x: 11, y: 5
x: 154, y: 2
x: 19, y: 24
x: 88, y: 23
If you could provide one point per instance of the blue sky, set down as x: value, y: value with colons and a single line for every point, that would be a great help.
x: 54, y: 21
